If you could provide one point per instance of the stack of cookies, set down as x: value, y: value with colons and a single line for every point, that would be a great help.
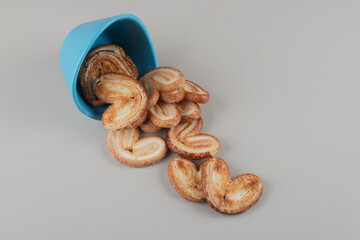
x: 163, y: 98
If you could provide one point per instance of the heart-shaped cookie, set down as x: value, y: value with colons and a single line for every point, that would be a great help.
x: 104, y: 59
x: 186, y: 141
x: 127, y: 97
x: 186, y: 179
x: 172, y: 97
x: 189, y: 110
x: 224, y: 195
x: 189, y: 91
x: 127, y: 148
x: 161, y: 79
x: 195, y: 93
x: 164, y: 114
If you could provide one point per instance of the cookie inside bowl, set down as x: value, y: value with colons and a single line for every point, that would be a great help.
x: 129, y: 35
x: 124, y: 30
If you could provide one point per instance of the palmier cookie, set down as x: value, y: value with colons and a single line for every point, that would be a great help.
x: 186, y: 179
x: 161, y: 79
x: 189, y: 110
x: 104, y: 59
x: 127, y: 98
x: 186, y: 141
x: 173, y: 96
x: 149, y: 127
x: 164, y: 114
x: 224, y: 195
x: 127, y: 148
x: 189, y: 91
x: 195, y: 93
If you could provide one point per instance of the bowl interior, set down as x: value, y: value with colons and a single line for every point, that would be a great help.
x: 131, y: 35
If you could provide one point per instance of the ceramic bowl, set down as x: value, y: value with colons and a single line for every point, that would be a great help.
x: 125, y: 30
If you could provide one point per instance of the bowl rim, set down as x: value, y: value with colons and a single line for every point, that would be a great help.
x: 75, y: 93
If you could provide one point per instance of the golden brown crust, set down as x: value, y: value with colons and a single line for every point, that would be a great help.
x: 104, y: 59
x: 128, y: 66
x: 189, y: 91
x: 186, y: 141
x: 128, y: 98
x: 161, y: 79
x: 149, y: 127
x: 186, y: 179
x: 114, y: 87
x: 128, y: 149
x: 190, y: 111
x: 152, y: 93
x: 164, y: 114
x: 165, y: 78
x: 224, y: 195
x: 172, y: 97
x: 195, y: 93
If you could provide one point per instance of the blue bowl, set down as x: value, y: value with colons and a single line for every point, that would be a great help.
x: 125, y: 30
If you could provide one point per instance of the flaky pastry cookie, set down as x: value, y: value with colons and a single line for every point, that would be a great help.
x: 164, y: 114
x: 161, y: 79
x: 172, y: 97
x: 104, y: 59
x: 190, y: 91
x: 186, y: 179
x: 224, y: 195
x: 189, y: 110
x: 127, y: 97
x: 128, y: 149
x: 186, y: 141
x: 195, y: 93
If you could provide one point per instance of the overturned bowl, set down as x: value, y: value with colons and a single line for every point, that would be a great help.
x: 125, y: 30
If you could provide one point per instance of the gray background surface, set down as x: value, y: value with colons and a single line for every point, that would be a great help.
x: 284, y: 84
